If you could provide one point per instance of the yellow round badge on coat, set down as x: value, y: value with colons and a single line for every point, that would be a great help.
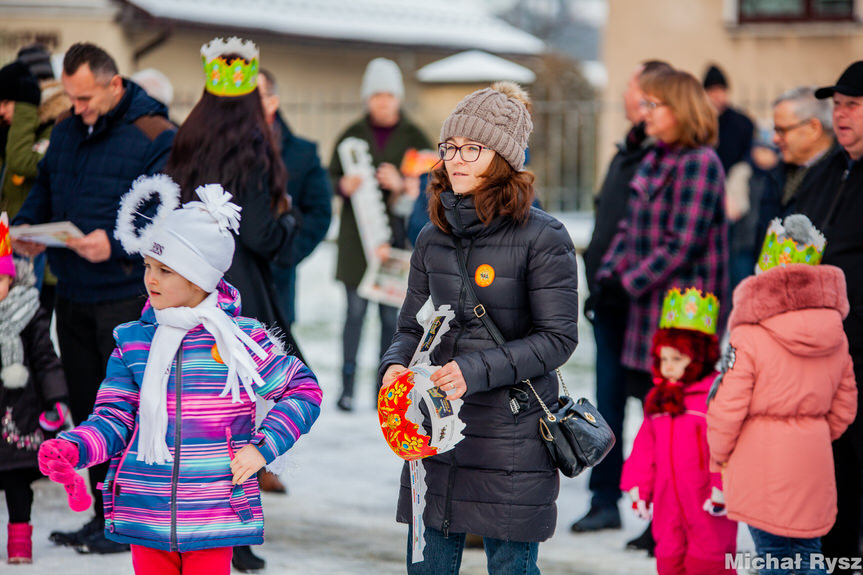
x: 484, y: 275
x: 214, y: 351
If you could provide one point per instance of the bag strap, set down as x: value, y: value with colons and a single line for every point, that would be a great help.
x: 479, y: 309
x: 480, y: 312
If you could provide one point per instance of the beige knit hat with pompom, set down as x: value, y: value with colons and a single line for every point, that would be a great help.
x: 496, y: 117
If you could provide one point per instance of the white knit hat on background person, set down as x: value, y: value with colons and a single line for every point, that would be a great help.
x: 496, y: 117
x: 382, y: 75
x: 195, y: 241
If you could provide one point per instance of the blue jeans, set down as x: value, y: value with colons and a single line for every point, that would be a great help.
x: 778, y: 547
x: 442, y: 555
x: 609, y: 328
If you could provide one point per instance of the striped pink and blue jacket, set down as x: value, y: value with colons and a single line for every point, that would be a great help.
x: 185, y: 504
x: 675, y: 235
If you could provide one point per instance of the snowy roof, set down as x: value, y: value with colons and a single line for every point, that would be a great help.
x: 474, y: 66
x: 400, y: 22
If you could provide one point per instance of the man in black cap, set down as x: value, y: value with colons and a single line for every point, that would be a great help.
x: 734, y: 148
x: 835, y: 206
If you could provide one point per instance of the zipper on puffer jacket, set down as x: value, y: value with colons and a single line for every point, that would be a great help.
x: 178, y: 442
x: 114, y: 486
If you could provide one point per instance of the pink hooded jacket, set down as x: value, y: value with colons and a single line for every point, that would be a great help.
x: 788, y: 390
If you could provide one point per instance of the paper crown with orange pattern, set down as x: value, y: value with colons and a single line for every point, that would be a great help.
x: 401, y: 434
x: 690, y: 310
x: 794, y: 241
x: 237, y: 76
x: 7, y: 265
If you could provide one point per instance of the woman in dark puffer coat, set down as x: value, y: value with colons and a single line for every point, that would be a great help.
x: 499, y: 481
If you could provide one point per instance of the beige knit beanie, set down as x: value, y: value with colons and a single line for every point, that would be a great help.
x: 496, y: 117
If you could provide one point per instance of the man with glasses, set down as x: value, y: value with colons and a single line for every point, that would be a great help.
x: 834, y: 203
x: 803, y: 134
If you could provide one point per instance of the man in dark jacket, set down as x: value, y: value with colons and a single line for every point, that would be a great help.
x: 309, y: 189
x: 803, y: 133
x: 114, y: 133
x: 835, y: 206
x: 607, y: 310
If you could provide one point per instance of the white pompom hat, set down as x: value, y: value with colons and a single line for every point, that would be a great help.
x: 195, y: 240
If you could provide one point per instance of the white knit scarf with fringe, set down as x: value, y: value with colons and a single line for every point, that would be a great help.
x: 173, y: 325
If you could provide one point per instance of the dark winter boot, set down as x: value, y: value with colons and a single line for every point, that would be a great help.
x: 19, y: 546
x: 245, y: 561
x: 75, y: 538
x: 643, y: 542
x: 346, y: 401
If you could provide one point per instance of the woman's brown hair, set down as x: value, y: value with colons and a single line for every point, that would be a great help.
x: 685, y: 97
x: 503, y: 192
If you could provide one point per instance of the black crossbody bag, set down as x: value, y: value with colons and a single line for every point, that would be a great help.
x: 575, y: 434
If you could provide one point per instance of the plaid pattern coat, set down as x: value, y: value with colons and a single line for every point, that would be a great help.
x: 675, y: 234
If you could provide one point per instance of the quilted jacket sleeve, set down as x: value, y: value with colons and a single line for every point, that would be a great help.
x: 639, y: 469
x: 844, y: 407
x: 110, y: 427
x: 294, y: 389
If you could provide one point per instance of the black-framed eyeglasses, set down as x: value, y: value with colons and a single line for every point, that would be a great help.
x: 650, y: 105
x: 468, y: 152
x: 782, y: 131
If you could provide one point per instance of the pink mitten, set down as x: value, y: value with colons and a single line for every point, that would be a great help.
x: 57, y: 459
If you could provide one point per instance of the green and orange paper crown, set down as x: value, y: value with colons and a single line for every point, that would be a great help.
x: 236, y: 77
x: 690, y: 310
x: 780, y: 250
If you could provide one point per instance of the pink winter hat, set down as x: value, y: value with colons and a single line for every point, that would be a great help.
x: 7, y: 266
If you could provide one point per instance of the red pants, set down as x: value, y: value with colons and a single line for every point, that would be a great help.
x: 147, y: 561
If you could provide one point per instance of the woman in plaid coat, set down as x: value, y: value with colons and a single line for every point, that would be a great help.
x: 675, y: 233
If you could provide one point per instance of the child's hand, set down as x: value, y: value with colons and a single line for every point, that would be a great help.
x: 715, y: 504
x: 641, y: 509
x: 246, y: 463
x: 57, y: 459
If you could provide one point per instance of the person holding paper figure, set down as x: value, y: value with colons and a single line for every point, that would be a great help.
x: 389, y: 134
x: 114, y: 134
x: 498, y: 482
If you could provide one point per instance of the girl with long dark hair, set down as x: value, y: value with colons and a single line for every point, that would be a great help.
x: 226, y: 140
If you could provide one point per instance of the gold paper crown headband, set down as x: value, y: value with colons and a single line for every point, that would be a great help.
x: 237, y: 77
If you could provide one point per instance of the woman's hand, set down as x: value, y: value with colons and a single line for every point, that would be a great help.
x: 392, y: 373
x: 450, y: 379
x: 246, y: 463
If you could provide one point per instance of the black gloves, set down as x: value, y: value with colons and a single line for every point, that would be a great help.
x: 612, y: 294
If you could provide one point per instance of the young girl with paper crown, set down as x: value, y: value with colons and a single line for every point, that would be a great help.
x: 668, y: 466
x: 32, y: 392
x: 176, y: 411
x: 787, y: 391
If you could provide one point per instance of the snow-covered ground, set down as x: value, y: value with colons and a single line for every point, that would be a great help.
x: 339, y: 517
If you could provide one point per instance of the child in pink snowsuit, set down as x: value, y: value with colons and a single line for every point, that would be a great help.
x: 669, y: 463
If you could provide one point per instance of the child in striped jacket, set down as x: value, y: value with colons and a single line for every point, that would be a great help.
x: 176, y: 411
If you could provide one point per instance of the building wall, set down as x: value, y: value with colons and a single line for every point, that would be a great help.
x: 761, y: 61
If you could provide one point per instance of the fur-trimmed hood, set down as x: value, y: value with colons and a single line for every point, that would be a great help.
x: 54, y: 101
x: 817, y: 293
